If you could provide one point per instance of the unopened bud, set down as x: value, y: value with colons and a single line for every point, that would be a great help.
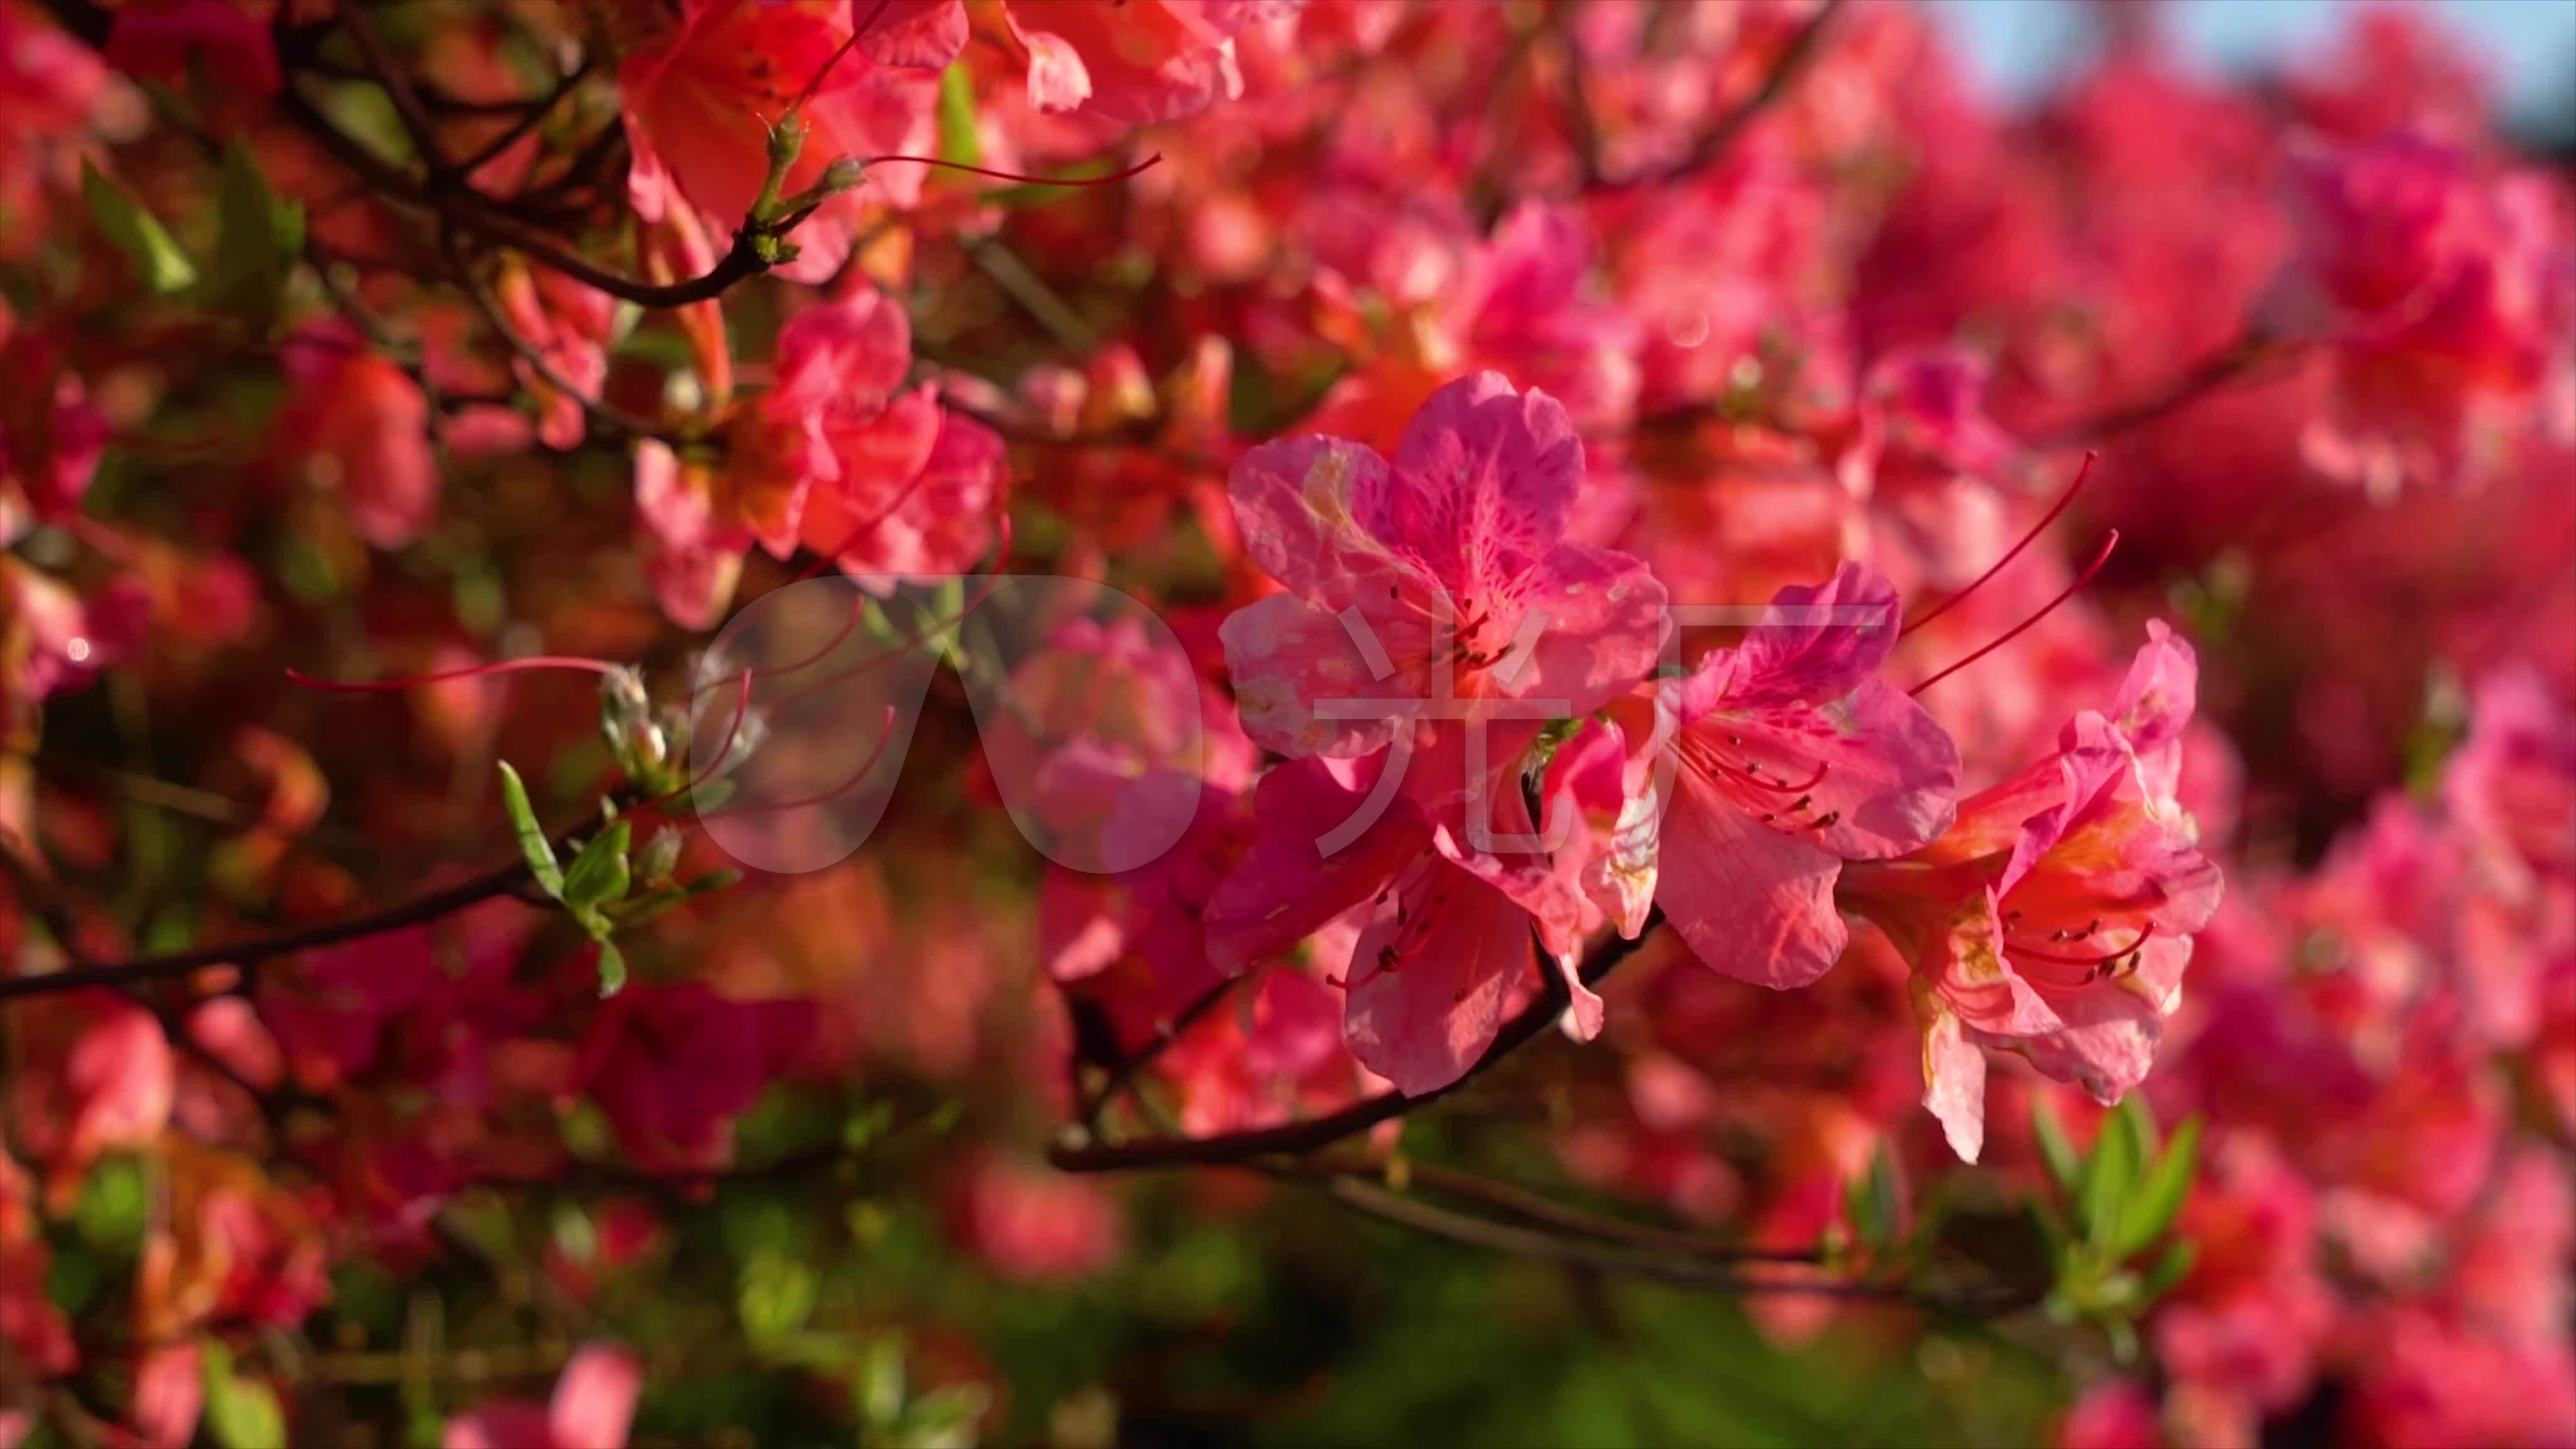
x: 660, y: 855
x: 786, y: 142
x: 625, y: 720
x: 843, y: 175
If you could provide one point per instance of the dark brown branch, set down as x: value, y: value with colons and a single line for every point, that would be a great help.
x: 528, y: 123
x: 600, y: 412
x: 1546, y: 1212
x: 1679, y: 1270
x: 2213, y: 373
x: 1795, y: 57
x: 389, y: 76
x: 1127, y: 1071
x: 473, y: 211
x: 434, y: 906
x: 1296, y: 1138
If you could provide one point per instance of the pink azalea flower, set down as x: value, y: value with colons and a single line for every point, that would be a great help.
x: 674, y: 1065
x: 172, y: 41
x: 836, y: 413
x: 356, y: 423
x: 1273, y: 1054
x: 2381, y: 225
x: 2249, y: 1319
x: 1156, y: 60
x: 100, y: 1079
x: 60, y: 640
x: 935, y: 522
x: 1033, y: 1225
x: 1134, y: 943
x: 568, y: 324
x: 2512, y: 785
x: 2054, y: 917
x: 1791, y: 757
x: 837, y: 456
x: 1443, y: 951
x: 1442, y: 574
x: 1522, y: 303
x: 332, y: 1016
x: 2447, y: 297
x: 169, y: 1394
x: 1599, y: 790
x: 692, y: 557
x: 51, y: 437
x: 1441, y: 579
x: 701, y: 93
x: 592, y: 1408
x: 2113, y: 1414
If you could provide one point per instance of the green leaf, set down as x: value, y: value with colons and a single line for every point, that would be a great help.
x: 533, y: 845
x: 775, y: 1296
x: 1877, y: 1200
x: 241, y: 1413
x: 2143, y: 1121
x: 612, y: 969
x: 258, y: 237
x: 158, y: 262
x: 2161, y: 1195
x: 2118, y: 1153
x: 2064, y: 1167
x: 112, y: 1207
x: 600, y: 875
x: 959, y: 138
x: 879, y: 1385
x: 2171, y: 1265
x: 946, y: 1416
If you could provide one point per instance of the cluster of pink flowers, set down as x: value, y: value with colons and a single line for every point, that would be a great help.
x: 1978, y: 616
x: 2381, y: 1048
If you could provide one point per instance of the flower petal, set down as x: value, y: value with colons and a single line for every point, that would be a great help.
x: 1421, y: 1018
x: 1753, y: 903
x: 1483, y: 482
x: 1287, y: 887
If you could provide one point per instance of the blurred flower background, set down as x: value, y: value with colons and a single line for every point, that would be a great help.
x: 922, y: 722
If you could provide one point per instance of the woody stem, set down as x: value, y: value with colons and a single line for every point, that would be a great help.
x: 1296, y: 1138
x: 434, y: 906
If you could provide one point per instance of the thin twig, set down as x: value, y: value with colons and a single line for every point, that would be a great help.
x: 1025, y: 287
x: 1296, y: 1138
x: 601, y: 412
x: 1679, y: 1270
x: 1545, y: 1211
x: 536, y: 116
x: 1127, y: 1071
x: 1795, y: 57
x: 2209, y: 375
x: 431, y: 907
x: 389, y: 75
x: 475, y: 212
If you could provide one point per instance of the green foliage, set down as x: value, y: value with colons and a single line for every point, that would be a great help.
x: 534, y: 847
x: 960, y: 139
x: 241, y: 1412
x: 595, y: 889
x: 113, y: 1204
x: 1875, y: 1201
x: 158, y: 262
x: 2109, y: 1222
x: 259, y: 236
x: 774, y: 1296
x: 600, y: 875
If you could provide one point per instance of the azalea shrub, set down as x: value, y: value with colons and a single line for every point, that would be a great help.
x: 919, y: 722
